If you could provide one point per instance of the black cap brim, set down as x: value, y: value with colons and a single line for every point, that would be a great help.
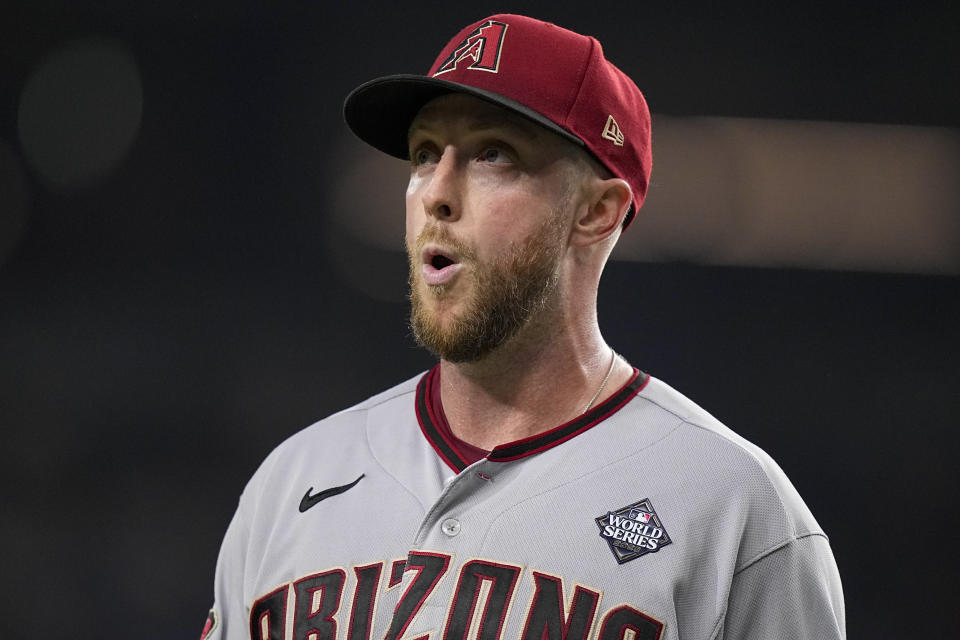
x: 380, y: 111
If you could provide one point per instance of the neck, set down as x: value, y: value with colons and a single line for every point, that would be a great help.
x: 528, y: 386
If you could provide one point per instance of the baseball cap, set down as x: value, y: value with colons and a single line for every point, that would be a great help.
x: 555, y: 77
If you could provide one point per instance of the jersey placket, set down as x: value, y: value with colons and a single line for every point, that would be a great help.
x: 445, y: 583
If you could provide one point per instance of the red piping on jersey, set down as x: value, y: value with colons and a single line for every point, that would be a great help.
x: 466, y: 452
x: 531, y: 444
x: 427, y: 422
x: 543, y: 441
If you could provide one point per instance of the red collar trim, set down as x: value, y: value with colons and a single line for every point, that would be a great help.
x: 428, y: 424
x: 447, y: 450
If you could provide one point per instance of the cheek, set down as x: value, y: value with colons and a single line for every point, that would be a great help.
x: 414, y: 215
x: 512, y: 216
x: 414, y: 185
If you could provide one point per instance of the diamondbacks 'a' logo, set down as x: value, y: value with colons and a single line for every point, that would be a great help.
x: 482, y: 46
x: 633, y: 531
x: 612, y: 132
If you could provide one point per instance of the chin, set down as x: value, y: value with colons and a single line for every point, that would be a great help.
x: 443, y: 315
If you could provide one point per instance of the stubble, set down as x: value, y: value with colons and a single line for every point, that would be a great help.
x: 504, y: 294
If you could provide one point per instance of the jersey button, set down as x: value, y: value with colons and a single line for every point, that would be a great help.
x: 450, y: 526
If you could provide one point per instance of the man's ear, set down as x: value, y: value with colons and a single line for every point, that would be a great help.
x: 606, y: 205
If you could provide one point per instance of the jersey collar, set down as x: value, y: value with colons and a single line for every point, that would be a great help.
x: 427, y: 409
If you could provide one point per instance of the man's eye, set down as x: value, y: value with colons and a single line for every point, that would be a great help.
x: 423, y: 156
x: 493, y: 154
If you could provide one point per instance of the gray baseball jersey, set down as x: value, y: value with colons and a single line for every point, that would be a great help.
x: 643, y: 519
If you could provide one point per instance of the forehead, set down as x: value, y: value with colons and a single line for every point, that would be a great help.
x: 463, y: 111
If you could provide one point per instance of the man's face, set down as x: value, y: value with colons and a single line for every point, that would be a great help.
x: 488, y: 211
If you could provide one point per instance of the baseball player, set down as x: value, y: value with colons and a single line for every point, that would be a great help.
x: 533, y: 485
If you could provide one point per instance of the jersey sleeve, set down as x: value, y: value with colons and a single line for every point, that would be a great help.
x: 228, y: 618
x: 791, y: 593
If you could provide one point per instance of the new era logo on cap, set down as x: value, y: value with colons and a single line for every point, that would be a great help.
x: 611, y: 132
x: 555, y: 77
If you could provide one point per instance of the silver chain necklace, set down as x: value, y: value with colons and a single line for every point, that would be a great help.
x: 613, y: 359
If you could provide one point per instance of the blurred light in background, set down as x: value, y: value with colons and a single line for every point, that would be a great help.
x: 80, y: 112
x: 14, y: 200
x: 749, y: 192
x: 819, y: 195
x: 364, y: 224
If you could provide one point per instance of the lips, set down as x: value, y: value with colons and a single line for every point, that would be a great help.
x: 440, y: 265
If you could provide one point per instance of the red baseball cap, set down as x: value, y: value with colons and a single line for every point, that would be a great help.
x: 555, y: 77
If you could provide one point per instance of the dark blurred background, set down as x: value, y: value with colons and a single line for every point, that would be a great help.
x: 196, y: 260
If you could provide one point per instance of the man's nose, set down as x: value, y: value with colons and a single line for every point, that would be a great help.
x: 441, y: 198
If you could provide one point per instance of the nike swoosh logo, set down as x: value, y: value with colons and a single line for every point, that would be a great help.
x: 309, y: 500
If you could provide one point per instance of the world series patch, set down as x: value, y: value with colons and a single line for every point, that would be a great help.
x: 633, y: 531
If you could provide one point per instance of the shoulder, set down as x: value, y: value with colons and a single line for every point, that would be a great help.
x: 696, y: 423
x: 339, y: 439
x: 729, y: 510
x: 726, y: 475
x: 350, y: 422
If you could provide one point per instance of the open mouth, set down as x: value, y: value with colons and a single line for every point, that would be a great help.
x: 439, y: 266
x: 440, y: 261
